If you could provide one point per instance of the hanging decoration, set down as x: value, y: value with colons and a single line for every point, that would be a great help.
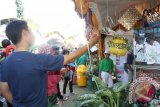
x: 129, y: 18
x: 107, y: 31
x: 94, y: 21
x: 20, y: 9
x: 108, y: 23
x: 85, y: 12
x: 119, y: 46
x: 82, y: 6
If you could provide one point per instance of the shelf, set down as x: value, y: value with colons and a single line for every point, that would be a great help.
x: 147, y: 67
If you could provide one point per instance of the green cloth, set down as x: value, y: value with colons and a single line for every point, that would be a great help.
x: 106, y: 65
x: 82, y: 60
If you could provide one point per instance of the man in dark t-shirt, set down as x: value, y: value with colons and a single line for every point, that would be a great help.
x: 23, y: 75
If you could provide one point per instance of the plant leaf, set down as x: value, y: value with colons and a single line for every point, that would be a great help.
x: 91, y: 103
x: 99, y: 83
x: 86, y: 97
x: 119, y: 87
x: 105, y: 92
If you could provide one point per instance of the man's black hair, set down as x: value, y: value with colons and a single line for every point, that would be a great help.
x: 55, y: 48
x: 14, y: 30
x: 5, y: 43
x: 65, y: 51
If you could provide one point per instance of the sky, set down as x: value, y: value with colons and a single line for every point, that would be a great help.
x: 7, y: 9
x: 50, y: 15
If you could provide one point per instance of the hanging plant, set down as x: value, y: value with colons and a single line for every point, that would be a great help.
x: 20, y: 9
x: 119, y: 46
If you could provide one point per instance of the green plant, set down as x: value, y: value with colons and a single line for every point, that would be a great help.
x: 106, y: 97
x: 91, y: 100
x: 99, y: 83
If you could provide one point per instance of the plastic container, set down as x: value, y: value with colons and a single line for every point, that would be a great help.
x: 81, y: 76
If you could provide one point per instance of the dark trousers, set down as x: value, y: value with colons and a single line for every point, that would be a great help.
x: 9, y: 105
x: 66, y: 80
x: 1, y: 104
x: 59, y: 95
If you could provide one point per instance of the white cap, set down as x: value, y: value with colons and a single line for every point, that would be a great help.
x: 94, y: 48
x: 107, y: 51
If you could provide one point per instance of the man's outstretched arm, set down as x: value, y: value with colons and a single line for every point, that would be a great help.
x: 6, y: 92
x: 93, y: 40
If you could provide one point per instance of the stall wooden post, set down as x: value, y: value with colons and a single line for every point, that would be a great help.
x: 101, y: 49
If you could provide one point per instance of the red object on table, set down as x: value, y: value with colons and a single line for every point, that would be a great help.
x: 150, y: 94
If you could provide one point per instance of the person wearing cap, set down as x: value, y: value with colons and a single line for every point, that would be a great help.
x: 68, y: 78
x: 106, y: 68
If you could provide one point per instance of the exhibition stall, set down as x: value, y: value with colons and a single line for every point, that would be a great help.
x: 133, y: 28
x: 126, y: 27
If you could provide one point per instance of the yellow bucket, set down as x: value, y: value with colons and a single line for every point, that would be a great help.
x: 81, y: 76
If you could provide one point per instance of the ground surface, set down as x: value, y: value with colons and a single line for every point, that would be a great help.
x: 79, y: 91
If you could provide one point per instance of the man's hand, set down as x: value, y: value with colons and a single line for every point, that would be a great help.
x: 94, y: 38
x: 6, y: 92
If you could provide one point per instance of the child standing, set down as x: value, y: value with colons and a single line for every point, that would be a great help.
x: 106, y: 68
x: 68, y: 78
